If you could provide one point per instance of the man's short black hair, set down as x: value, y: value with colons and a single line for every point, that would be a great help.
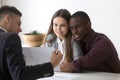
x: 9, y: 9
x: 82, y: 15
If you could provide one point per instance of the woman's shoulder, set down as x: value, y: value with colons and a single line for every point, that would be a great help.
x: 51, y: 40
x: 50, y: 37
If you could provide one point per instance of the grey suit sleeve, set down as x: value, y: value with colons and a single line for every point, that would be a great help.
x: 16, y: 63
x: 77, y: 51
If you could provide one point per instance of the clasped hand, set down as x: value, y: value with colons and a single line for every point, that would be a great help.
x: 56, y: 58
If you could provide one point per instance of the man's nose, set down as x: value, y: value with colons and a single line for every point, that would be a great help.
x: 74, y: 30
x: 20, y: 30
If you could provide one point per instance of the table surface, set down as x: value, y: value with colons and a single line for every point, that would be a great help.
x: 83, y: 76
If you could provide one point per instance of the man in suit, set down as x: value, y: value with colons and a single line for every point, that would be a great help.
x: 12, y: 64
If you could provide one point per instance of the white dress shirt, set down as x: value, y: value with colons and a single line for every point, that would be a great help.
x: 3, y: 29
x: 61, y: 47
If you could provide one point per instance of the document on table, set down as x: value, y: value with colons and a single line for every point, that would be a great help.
x: 83, y: 76
x: 60, y: 76
x: 37, y: 55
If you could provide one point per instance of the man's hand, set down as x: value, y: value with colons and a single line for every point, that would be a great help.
x: 56, y: 58
x: 67, y: 67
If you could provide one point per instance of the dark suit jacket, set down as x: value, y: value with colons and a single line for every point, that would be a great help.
x: 12, y: 64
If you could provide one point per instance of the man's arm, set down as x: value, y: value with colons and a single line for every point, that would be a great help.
x: 16, y: 63
x: 95, y: 57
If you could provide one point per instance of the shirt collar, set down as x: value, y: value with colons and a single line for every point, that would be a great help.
x: 3, y: 29
x: 61, y: 45
x: 60, y: 42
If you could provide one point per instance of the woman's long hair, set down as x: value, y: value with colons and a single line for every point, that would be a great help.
x: 68, y: 47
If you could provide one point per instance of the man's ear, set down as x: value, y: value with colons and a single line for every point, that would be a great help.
x: 6, y: 19
x: 89, y: 24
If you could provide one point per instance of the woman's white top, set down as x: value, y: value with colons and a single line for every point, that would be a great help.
x: 60, y: 45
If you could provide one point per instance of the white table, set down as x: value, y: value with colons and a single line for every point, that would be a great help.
x: 83, y: 76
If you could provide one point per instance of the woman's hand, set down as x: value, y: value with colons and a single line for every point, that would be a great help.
x: 67, y: 67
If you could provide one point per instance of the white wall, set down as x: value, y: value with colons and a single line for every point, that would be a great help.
x: 104, y: 14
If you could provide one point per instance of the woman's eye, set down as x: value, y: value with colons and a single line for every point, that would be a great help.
x: 55, y: 25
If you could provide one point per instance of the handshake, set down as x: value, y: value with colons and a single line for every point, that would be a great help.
x: 56, y: 58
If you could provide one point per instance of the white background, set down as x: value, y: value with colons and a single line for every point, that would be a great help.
x: 104, y: 14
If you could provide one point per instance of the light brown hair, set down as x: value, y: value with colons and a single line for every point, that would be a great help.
x: 64, y: 13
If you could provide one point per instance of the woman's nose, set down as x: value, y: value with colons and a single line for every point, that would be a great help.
x: 59, y: 28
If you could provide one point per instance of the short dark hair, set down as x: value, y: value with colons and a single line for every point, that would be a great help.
x: 9, y: 9
x: 82, y: 15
